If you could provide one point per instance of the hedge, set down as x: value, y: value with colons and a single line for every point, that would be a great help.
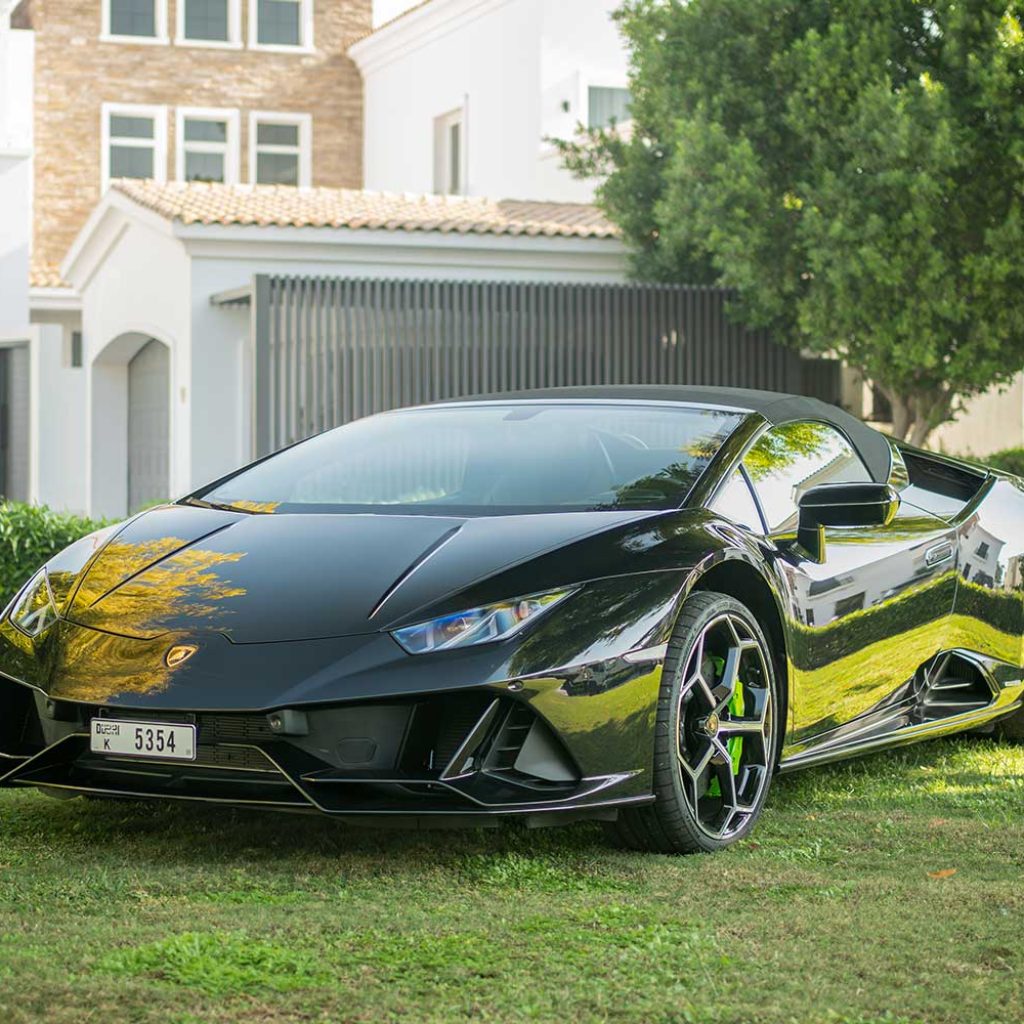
x: 29, y: 536
x: 1010, y: 460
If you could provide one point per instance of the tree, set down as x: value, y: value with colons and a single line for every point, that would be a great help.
x: 854, y: 169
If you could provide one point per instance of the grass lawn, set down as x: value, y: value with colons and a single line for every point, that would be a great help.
x: 888, y: 889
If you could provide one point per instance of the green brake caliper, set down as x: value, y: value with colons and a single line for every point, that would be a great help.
x: 737, y: 707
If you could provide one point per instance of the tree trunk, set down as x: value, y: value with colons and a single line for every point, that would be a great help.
x: 914, y: 417
x: 919, y: 431
x: 902, y: 412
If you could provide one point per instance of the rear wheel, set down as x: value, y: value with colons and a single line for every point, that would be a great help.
x: 716, y: 733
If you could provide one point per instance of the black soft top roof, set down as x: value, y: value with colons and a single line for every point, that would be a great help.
x: 774, y: 406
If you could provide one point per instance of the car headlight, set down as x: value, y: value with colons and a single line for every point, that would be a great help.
x: 481, y: 625
x: 34, y: 610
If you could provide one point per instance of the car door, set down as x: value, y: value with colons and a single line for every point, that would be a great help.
x: 876, y: 608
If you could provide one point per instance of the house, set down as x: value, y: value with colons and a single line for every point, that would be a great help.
x: 16, y: 57
x: 245, y: 121
x: 183, y: 90
x: 226, y: 91
x: 163, y: 271
x: 189, y: 153
x: 463, y: 96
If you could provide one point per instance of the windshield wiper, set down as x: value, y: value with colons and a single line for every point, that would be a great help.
x: 203, y: 503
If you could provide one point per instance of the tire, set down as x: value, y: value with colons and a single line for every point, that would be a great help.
x: 709, y: 790
x: 1011, y: 728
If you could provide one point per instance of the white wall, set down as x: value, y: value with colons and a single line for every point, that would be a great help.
x: 59, y: 397
x: 512, y: 64
x: 989, y: 423
x: 16, y: 63
x: 221, y: 373
x: 385, y: 10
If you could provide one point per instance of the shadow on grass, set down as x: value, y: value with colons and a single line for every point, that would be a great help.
x: 965, y: 777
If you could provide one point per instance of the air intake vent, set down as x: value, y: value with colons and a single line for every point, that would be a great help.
x: 951, y: 684
x: 526, y: 752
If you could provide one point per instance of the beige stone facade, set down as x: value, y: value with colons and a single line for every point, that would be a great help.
x: 77, y: 72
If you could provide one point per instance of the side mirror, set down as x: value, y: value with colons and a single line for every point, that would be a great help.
x: 852, y: 504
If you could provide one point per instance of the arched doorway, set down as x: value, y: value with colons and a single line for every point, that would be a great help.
x: 149, y: 410
x: 132, y: 434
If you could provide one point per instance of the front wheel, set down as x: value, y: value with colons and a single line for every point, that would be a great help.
x: 716, y: 733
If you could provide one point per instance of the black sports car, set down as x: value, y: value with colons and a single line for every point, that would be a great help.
x: 623, y: 603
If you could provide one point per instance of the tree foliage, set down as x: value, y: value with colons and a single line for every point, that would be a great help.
x: 29, y: 536
x: 853, y: 168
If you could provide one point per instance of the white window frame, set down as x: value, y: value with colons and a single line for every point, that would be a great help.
x: 159, y: 115
x: 443, y: 124
x: 305, y: 125
x: 583, y: 100
x: 305, y: 30
x: 160, y: 18
x: 233, y: 41
x: 230, y: 148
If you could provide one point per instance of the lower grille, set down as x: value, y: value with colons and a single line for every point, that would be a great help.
x: 243, y: 758
x: 233, y: 728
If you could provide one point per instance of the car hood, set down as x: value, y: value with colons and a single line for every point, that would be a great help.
x: 262, y: 578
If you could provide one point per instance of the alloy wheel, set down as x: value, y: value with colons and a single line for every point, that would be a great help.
x: 725, y: 726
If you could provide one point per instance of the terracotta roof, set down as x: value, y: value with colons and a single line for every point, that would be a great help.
x: 45, y: 275
x: 286, y: 206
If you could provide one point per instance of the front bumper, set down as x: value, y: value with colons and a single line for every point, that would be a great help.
x: 466, y: 756
x: 484, y: 732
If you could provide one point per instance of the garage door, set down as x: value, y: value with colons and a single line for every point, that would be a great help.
x: 14, y: 422
x: 149, y: 411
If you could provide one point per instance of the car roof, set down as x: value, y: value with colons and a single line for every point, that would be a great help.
x: 776, y: 407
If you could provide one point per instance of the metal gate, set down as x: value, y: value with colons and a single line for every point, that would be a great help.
x: 330, y: 350
x: 14, y: 422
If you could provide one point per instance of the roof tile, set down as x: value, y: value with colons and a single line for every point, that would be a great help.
x: 42, y: 274
x: 287, y: 206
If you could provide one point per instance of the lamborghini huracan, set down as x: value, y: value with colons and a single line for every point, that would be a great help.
x: 630, y: 604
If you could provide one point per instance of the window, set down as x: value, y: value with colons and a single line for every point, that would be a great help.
x: 848, y: 605
x: 75, y: 354
x: 790, y: 459
x: 471, y: 460
x: 134, y: 140
x: 281, y: 24
x: 279, y: 148
x: 736, y: 502
x: 207, y: 145
x: 209, y: 22
x: 449, y: 154
x: 606, y: 107
x: 135, y: 21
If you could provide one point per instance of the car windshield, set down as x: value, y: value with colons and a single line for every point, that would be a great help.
x: 491, y: 459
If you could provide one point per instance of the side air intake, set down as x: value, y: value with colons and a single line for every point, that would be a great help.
x: 951, y: 684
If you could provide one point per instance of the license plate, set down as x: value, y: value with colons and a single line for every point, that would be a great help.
x: 143, y: 739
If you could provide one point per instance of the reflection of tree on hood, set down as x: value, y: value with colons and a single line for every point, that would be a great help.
x: 149, y: 584
x: 143, y: 586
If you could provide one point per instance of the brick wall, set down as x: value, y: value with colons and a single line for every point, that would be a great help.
x: 76, y: 74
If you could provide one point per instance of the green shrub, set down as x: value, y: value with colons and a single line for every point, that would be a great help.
x: 1010, y: 460
x: 31, y: 534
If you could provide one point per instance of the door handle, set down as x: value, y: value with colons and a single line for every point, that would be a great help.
x: 938, y: 553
